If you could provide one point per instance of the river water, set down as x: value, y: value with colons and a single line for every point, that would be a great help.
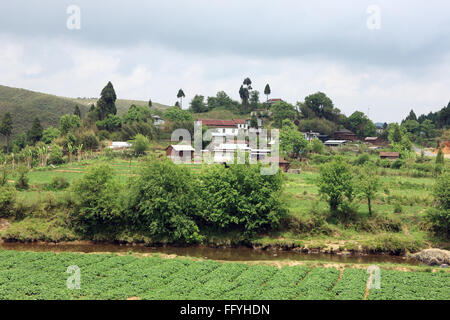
x: 227, y: 254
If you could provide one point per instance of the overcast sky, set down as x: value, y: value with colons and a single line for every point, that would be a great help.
x: 150, y: 49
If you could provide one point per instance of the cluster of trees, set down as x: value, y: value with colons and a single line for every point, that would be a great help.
x: 424, y: 128
x: 167, y: 202
x: 339, y: 185
x: 249, y: 100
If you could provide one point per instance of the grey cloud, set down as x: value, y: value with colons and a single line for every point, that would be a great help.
x: 412, y: 31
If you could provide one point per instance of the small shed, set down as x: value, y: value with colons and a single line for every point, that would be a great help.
x: 179, y: 150
x: 389, y: 155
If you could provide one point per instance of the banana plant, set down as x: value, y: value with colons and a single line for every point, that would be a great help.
x: 79, y: 150
x: 28, y: 155
x: 70, y: 148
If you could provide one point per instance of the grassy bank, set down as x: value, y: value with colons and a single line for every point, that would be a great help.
x: 397, y: 226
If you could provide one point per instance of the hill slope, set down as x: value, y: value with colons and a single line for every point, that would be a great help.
x: 25, y: 105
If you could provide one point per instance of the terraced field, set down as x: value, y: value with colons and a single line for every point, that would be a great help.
x: 31, y: 275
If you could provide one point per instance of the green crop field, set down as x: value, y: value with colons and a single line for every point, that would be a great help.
x: 32, y: 275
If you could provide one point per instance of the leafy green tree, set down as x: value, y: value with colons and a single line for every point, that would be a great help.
x: 36, y: 131
x: 267, y: 91
x: 439, y: 216
x: 6, y: 127
x: 412, y: 126
x: 180, y: 95
x: 176, y: 114
x: 395, y: 134
x: 428, y: 128
x: 137, y: 113
x: 362, y: 125
x: 292, y: 141
x: 198, y: 104
x: 281, y: 111
x: 69, y: 122
x: 317, y: 146
x: 107, y: 103
x: 150, y: 103
x: 368, y: 183
x: 140, y: 144
x: 163, y: 203
x: 240, y: 198
x: 220, y: 100
x: 254, y: 99
x: 97, y: 202
x: 323, y: 126
x: 110, y: 123
x: 50, y: 134
x: 321, y: 105
x: 7, y: 200
x: 22, y: 182
x: 336, y: 183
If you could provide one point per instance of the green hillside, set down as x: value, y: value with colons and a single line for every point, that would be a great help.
x: 25, y: 105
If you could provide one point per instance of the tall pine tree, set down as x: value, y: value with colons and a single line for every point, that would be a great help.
x: 106, y: 105
x: 36, y: 131
x: 267, y: 91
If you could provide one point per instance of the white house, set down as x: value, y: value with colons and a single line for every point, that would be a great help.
x: 157, y: 120
x: 335, y: 143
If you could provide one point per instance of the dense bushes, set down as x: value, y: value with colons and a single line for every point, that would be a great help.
x: 58, y: 183
x: 440, y: 214
x: 168, y: 203
x: 240, y: 197
x: 162, y: 202
x: 7, y: 200
x: 97, y: 202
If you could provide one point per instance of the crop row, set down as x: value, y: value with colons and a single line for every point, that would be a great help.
x: 28, y: 275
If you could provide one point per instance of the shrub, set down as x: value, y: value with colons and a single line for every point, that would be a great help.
x: 97, y: 202
x: 240, y: 197
x: 336, y: 183
x: 397, y: 164
x: 7, y: 200
x: 163, y: 203
x: 362, y: 159
x: 439, y: 216
x: 140, y: 144
x: 317, y: 146
x: 58, y: 183
x: 385, y: 163
x: 22, y: 182
x: 56, y: 155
